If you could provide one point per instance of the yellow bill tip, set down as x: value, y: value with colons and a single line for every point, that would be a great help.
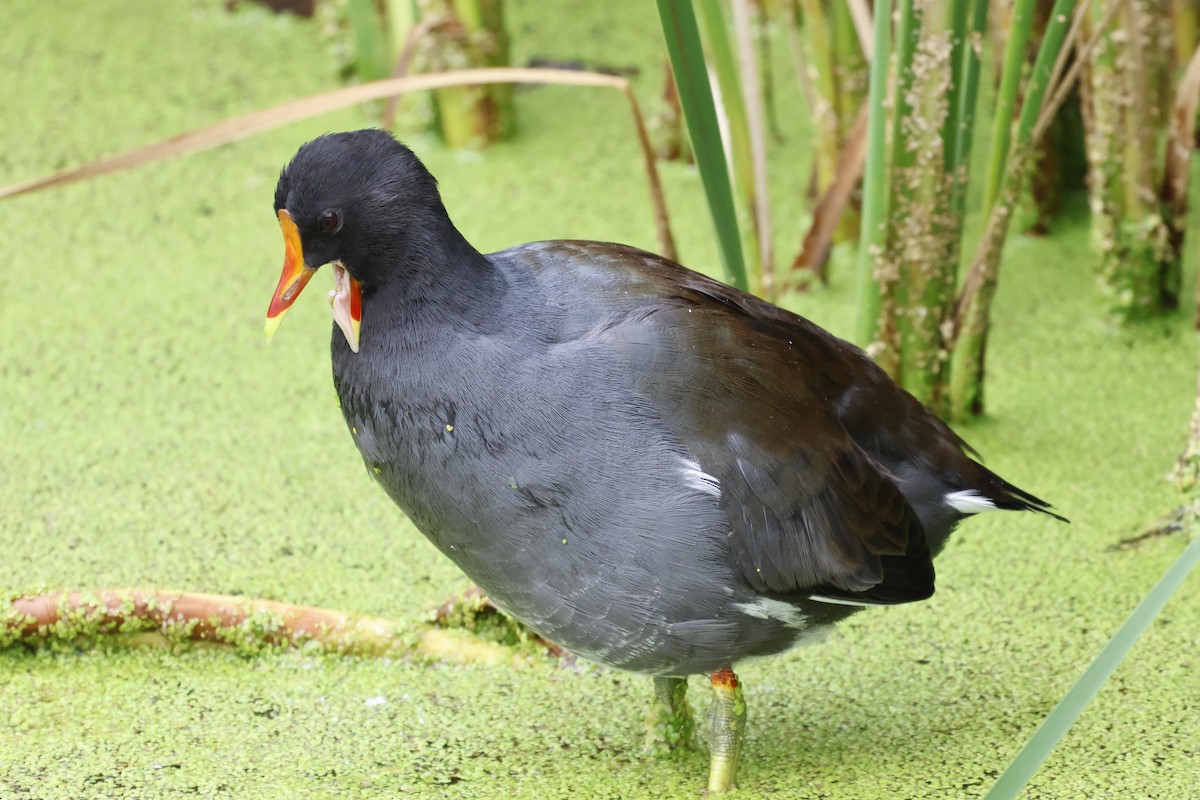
x: 272, y: 325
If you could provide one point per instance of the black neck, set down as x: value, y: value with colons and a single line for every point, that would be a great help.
x: 442, y: 278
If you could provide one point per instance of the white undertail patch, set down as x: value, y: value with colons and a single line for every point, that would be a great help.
x: 696, y: 478
x: 840, y: 601
x: 969, y: 501
x: 766, y: 608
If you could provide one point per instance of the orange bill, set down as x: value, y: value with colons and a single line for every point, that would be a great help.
x: 295, y: 273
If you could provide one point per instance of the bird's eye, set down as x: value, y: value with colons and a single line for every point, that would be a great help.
x: 329, y: 222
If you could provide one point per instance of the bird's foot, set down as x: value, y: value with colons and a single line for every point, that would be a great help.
x: 670, y: 725
x: 726, y: 730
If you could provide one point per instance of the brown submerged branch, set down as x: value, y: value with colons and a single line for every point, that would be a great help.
x: 196, y: 617
x: 251, y: 625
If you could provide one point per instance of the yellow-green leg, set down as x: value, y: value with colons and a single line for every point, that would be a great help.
x: 726, y: 730
x: 670, y: 725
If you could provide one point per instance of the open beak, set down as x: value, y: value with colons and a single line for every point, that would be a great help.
x: 345, y: 299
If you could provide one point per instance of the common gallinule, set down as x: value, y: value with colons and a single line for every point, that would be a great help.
x: 646, y: 466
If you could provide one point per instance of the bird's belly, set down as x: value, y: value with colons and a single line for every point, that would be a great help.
x: 601, y: 595
x: 635, y: 581
x: 616, y: 552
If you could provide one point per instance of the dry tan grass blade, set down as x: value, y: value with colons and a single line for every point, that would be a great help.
x: 232, y: 130
x: 860, y: 14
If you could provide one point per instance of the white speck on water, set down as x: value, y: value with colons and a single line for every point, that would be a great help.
x: 378, y: 700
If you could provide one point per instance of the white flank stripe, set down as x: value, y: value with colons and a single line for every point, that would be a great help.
x: 840, y: 601
x: 969, y: 501
x: 696, y: 478
x: 766, y: 608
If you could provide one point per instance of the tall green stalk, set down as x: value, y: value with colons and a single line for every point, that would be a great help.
x: 925, y: 230
x: 822, y: 61
x: 724, y: 65
x: 901, y: 164
x: 1185, y: 23
x: 973, y: 314
x: 934, y: 276
x: 875, y: 184
x: 413, y: 110
x: 691, y: 76
x: 960, y: 50
x: 1006, y: 100
x: 841, y: 80
x: 1059, y: 721
x: 401, y: 18
x: 961, y: 122
x: 470, y: 116
x: 910, y: 318
x: 1124, y: 111
x: 850, y: 66
x: 372, y: 52
x: 754, y: 95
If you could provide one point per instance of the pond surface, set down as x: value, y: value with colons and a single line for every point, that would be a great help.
x: 150, y: 437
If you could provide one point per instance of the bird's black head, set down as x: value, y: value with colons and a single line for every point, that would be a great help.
x: 362, y: 202
x: 356, y: 195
